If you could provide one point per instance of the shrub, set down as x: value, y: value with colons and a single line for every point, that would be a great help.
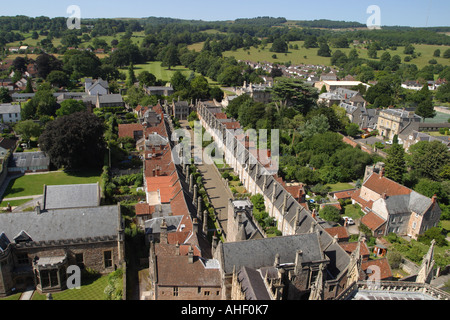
x: 394, y: 259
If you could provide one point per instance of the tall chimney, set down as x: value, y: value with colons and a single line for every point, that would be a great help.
x: 195, y: 225
x: 191, y: 255
x: 205, y: 222
x: 434, y: 199
x: 163, y: 234
x: 298, y: 261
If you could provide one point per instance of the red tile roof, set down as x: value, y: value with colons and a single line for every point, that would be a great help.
x: 380, y: 267
x: 372, y: 221
x: 341, y: 232
x: 382, y: 185
x: 128, y: 130
x: 349, y: 247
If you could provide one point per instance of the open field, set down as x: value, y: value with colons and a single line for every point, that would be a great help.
x: 162, y: 73
x: 309, y: 56
x: 30, y: 185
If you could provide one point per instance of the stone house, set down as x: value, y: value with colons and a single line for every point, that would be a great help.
x: 391, y: 207
x: 37, y: 247
x: 392, y: 121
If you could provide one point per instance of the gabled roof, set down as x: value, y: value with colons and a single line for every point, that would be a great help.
x: 71, y: 196
x: 261, y: 252
x: 372, y: 221
x: 380, y: 184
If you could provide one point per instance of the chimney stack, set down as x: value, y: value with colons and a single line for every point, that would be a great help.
x: 177, y: 248
x: 195, y: 225
x: 38, y: 208
x: 298, y: 261
x: 191, y: 255
x: 434, y: 199
x: 163, y: 235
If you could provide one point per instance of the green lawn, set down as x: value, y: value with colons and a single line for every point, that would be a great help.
x: 30, y: 185
x: 353, y: 211
x: 162, y: 73
x: 340, y: 186
x: 298, y: 56
x: 93, y: 290
x: 14, y: 203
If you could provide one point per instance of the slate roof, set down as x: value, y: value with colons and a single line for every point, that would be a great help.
x: 9, y: 108
x: 261, y: 252
x: 154, y: 225
x: 71, y: 196
x: 252, y: 284
x: 62, y: 224
x: 29, y: 159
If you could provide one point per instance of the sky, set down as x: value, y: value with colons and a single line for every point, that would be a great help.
x: 415, y: 13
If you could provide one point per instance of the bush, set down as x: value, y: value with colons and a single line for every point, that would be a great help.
x: 433, y: 233
x: 394, y: 259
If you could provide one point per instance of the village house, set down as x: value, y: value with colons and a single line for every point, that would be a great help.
x: 391, y: 207
x: 27, y: 162
x: 392, y: 122
x: 10, y: 113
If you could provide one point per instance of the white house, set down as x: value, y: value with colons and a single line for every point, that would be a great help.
x: 10, y: 113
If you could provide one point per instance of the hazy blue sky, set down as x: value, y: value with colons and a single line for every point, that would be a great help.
x: 417, y: 13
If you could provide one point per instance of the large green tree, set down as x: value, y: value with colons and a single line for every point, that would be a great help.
x: 295, y: 93
x: 395, y: 165
x: 75, y: 141
x: 428, y: 159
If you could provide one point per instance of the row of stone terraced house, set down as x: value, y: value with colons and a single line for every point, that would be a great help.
x: 308, y: 261
x: 69, y: 227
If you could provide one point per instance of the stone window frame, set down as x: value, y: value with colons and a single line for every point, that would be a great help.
x: 111, y: 259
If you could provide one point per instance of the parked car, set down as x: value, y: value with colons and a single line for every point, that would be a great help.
x: 349, y: 220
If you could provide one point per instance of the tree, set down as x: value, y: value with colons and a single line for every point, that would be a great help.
x: 20, y: 64
x: 324, y: 50
x: 131, y: 76
x: 279, y: 46
x: 170, y: 58
x: 295, y: 93
x: 5, y: 97
x: 70, y: 106
x: 425, y: 107
x: 75, y: 141
x: 199, y: 88
x: 231, y: 76
x: 409, y: 49
x: 28, y: 129
x: 146, y: 78
x: 79, y: 64
x: 429, y: 188
x: 447, y: 54
x: 352, y: 130
x: 29, y: 87
x: 395, y: 163
x: 58, y: 79
x: 428, y: 159
x: 372, y: 53
x: 330, y: 213
x: 443, y: 93
x: 311, y: 42
x: 179, y: 81
x: 46, y: 63
x: 437, y: 53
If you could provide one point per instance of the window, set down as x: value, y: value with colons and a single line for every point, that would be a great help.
x: 414, y: 225
x: 175, y: 291
x: 199, y: 290
x: 107, y: 259
x: 22, y: 258
x: 206, y: 293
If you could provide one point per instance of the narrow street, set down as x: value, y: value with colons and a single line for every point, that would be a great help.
x: 218, y: 193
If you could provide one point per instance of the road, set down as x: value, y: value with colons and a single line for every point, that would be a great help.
x: 217, y: 192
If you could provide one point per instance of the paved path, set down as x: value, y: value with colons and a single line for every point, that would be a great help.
x: 27, y: 295
x: 218, y: 193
